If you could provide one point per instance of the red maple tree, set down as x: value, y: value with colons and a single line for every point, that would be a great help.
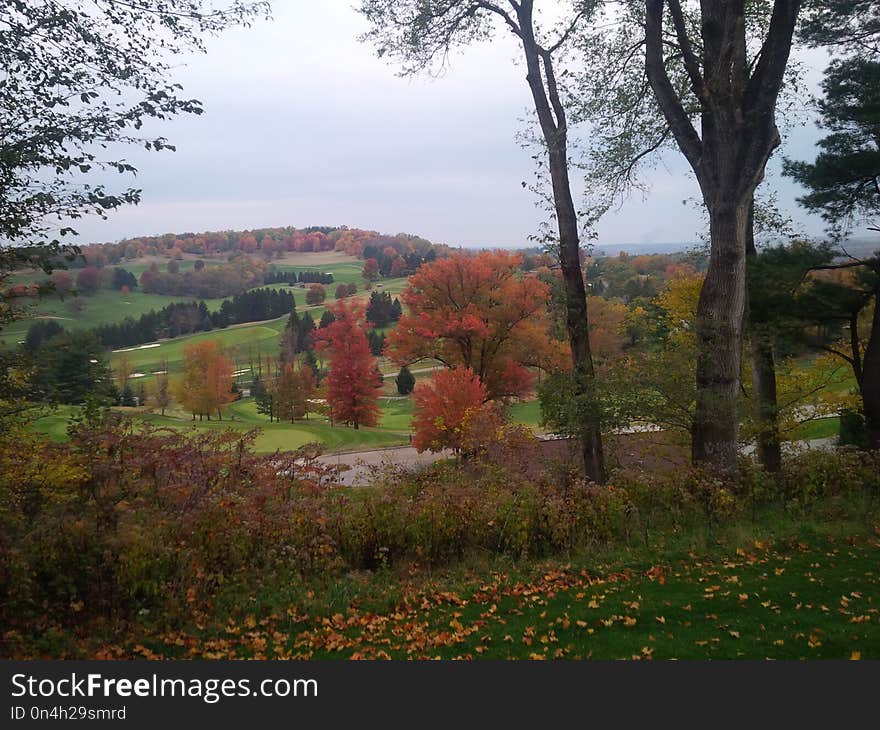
x: 443, y: 406
x: 479, y: 312
x: 354, y: 380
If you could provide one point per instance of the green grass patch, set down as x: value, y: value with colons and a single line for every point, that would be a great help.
x: 773, y: 589
x: 818, y: 429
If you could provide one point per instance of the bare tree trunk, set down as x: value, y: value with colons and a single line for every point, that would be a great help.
x: 737, y: 107
x: 719, y: 339
x: 766, y: 406
x: 551, y: 116
x: 763, y: 376
x: 870, y: 383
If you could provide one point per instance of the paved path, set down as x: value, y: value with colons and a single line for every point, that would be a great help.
x: 366, y: 466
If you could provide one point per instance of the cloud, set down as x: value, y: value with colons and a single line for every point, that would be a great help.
x: 304, y: 126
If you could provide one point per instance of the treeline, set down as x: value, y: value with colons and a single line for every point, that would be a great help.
x: 204, y: 282
x: 268, y: 243
x: 182, y: 318
x: 292, y: 277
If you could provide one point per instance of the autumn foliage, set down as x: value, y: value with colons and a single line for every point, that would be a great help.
x: 443, y: 406
x: 354, y: 379
x: 206, y: 386
x: 477, y: 312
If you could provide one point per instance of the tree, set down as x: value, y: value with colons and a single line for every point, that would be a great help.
x: 405, y: 381
x: 418, y: 34
x: 206, y: 386
x: 851, y: 303
x: 843, y: 183
x: 291, y: 392
x: 71, y: 368
x: 88, y: 280
x: 736, y: 100
x: 718, y: 69
x: 81, y: 78
x: 442, y: 407
x: 123, y: 370
x: 377, y: 342
x: 40, y: 332
x: 161, y: 394
x: 370, y: 272
x: 316, y: 294
x: 353, y: 382
x: 126, y: 397
x: 382, y: 310
x: 327, y: 319
x: 476, y: 311
x: 262, y: 391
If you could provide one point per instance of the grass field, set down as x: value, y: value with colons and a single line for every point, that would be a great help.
x: 776, y: 589
x: 107, y: 306
x: 103, y: 307
x: 242, y: 416
x: 394, y: 425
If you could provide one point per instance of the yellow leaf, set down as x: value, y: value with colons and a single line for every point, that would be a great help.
x: 661, y: 619
x: 855, y: 656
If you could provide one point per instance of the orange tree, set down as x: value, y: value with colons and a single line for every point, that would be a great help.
x: 477, y: 312
x: 206, y: 386
x: 444, y: 406
x: 354, y: 380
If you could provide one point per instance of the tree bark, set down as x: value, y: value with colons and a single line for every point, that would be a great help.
x: 870, y: 384
x: 766, y: 410
x: 766, y: 406
x: 719, y: 340
x: 737, y: 104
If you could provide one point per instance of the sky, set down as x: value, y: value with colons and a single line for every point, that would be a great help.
x: 304, y: 126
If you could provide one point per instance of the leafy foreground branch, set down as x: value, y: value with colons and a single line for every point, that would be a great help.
x: 125, y: 543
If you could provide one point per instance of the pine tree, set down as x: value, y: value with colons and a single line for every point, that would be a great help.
x: 405, y: 381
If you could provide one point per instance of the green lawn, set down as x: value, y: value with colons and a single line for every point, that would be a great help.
x: 818, y: 429
x: 100, y: 308
x: 756, y: 591
x: 242, y: 416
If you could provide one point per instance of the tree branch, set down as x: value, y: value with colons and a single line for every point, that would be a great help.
x: 691, y: 62
x: 685, y: 134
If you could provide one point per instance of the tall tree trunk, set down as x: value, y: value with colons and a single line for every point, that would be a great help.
x: 736, y: 99
x: 766, y: 406
x: 766, y: 410
x: 719, y: 339
x: 551, y: 116
x: 870, y: 384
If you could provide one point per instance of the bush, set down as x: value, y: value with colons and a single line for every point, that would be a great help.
x: 122, y: 518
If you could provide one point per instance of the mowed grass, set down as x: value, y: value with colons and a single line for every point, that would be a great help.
x: 242, y: 415
x: 781, y: 591
x: 103, y: 307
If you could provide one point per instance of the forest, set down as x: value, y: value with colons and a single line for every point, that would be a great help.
x: 333, y: 442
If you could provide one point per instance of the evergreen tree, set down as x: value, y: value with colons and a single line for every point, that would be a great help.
x: 405, y: 381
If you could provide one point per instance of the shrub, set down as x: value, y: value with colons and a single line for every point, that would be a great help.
x: 124, y: 518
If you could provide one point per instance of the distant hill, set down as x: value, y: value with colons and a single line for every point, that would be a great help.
x: 637, y: 249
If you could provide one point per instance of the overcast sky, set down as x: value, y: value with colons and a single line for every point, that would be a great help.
x: 304, y: 126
